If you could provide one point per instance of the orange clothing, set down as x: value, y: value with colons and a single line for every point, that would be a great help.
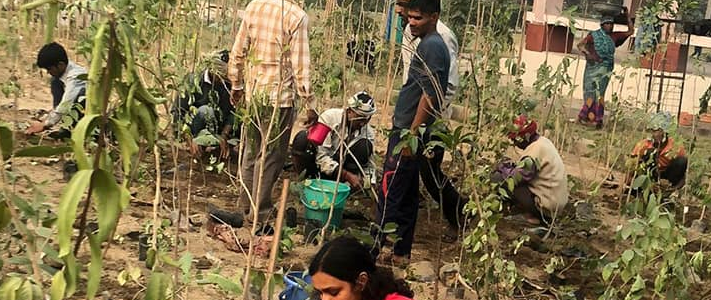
x: 668, y: 150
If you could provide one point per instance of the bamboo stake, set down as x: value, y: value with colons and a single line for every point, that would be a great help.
x: 277, y: 235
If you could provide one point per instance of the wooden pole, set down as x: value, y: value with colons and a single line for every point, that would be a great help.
x: 277, y: 236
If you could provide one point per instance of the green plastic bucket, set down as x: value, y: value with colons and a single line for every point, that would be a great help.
x: 318, y: 196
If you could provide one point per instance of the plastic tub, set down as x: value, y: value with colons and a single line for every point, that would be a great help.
x: 317, y: 133
x: 318, y: 197
x: 294, y: 288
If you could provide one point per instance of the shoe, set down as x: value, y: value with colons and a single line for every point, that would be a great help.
x: 264, y: 230
x: 60, y: 134
x: 394, y: 260
x: 233, y: 219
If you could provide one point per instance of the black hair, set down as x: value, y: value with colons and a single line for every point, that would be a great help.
x: 425, y: 6
x: 346, y: 258
x: 51, y: 55
x: 225, y: 55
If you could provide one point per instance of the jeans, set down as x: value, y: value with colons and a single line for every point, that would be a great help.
x: 204, y: 119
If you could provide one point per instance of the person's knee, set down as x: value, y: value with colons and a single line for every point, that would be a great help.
x: 362, y: 149
x: 300, y: 143
x: 205, y: 112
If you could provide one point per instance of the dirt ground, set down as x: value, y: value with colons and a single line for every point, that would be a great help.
x: 580, y: 241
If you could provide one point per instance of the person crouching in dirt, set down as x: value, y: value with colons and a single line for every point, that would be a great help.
x: 349, y: 128
x: 541, y: 183
x: 205, y: 109
x: 659, y: 156
x: 68, y: 88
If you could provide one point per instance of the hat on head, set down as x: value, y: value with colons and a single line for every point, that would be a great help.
x: 217, y: 62
x: 660, y: 121
x: 523, y: 127
x: 606, y: 20
x: 362, y: 103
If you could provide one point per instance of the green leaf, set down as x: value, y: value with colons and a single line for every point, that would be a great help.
x: 390, y: 227
x: 638, y: 284
x: 59, y: 286
x: 662, y: 223
x: 9, y: 288
x: 107, y: 196
x: 627, y: 256
x: 157, y: 286
x: 81, y: 131
x: 126, y: 143
x: 6, y: 140
x: 639, y: 181
x: 68, y: 209
x: 223, y: 283
x: 27, y: 291
x: 71, y: 274
x: 23, y: 206
x: 42, y: 151
x: 607, y: 271
x: 5, y: 216
x: 95, y: 266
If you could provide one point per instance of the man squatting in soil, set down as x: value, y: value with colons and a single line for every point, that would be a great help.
x: 540, y: 182
x: 418, y: 105
x: 205, y: 108
x: 68, y: 87
x: 349, y: 128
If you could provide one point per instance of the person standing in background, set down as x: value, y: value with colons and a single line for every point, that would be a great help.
x: 418, y: 106
x: 599, y: 50
x: 438, y: 184
x: 269, y: 68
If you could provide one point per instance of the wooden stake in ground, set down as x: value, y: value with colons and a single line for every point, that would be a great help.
x: 277, y: 237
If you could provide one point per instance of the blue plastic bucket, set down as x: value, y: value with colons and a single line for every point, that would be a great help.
x: 318, y: 197
x: 293, y: 288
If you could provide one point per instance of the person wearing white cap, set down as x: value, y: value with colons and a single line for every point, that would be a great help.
x: 349, y: 128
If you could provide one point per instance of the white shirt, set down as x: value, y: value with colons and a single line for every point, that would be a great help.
x: 334, y: 119
x: 72, y: 87
x: 409, y: 46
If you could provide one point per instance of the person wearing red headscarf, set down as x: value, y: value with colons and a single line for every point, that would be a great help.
x: 540, y: 182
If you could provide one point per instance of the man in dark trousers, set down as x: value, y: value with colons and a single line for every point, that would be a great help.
x: 418, y: 106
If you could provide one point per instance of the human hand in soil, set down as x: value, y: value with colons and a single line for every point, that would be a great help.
x: 195, y: 150
x: 224, y: 148
x: 35, y: 127
x: 236, y: 97
x: 354, y: 180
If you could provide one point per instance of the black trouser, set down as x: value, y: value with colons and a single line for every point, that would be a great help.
x: 303, y: 153
x: 440, y: 186
x: 524, y: 201
x: 398, y: 197
x: 675, y: 171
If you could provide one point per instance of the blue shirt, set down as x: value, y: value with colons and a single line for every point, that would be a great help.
x: 433, y: 58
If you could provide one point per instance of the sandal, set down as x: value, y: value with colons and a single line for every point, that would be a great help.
x: 394, y: 260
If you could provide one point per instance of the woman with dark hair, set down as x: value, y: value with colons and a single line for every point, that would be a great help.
x: 344, y: 270
x: 599, y: 50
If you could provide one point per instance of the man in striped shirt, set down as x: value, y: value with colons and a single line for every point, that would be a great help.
x: 269, y: 69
